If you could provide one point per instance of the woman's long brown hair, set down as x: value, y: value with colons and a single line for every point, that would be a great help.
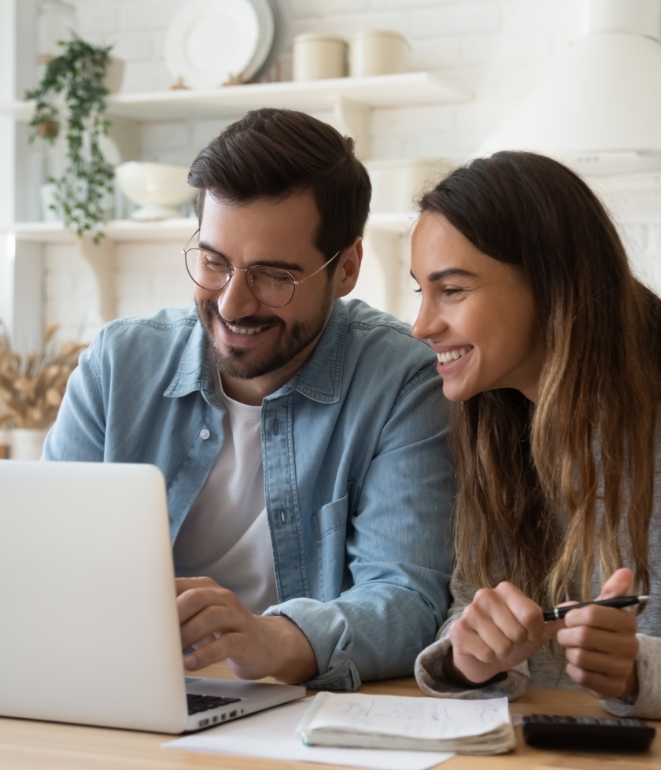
x: 532, y: 477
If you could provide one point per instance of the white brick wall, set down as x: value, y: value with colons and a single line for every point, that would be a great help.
x: 496, y: 48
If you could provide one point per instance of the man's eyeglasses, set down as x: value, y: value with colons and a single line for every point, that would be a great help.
x: 271, y: 285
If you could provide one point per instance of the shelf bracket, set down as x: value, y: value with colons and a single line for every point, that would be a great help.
x: 385, y: 247
x: 354, y: 120
x: 101, y: 258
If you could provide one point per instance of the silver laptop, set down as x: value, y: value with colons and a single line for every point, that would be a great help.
x: 89, y: 631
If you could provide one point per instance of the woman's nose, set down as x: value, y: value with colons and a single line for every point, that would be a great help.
x: 429, y: 321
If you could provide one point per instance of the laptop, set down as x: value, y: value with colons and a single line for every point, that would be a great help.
x: 90, y: 632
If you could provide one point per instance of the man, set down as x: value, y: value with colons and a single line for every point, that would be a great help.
x: 302, y: 438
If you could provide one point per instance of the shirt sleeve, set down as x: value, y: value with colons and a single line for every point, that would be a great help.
x: 429, y: 671
x: 398, y: 552
x: 648, y: 702
x: 79, y: 431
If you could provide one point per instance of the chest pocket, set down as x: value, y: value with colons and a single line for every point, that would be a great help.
x: 330, y: 527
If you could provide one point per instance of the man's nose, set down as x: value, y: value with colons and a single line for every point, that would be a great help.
x: 236, y: 300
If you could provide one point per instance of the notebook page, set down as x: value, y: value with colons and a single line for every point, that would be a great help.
x: 431, y: 718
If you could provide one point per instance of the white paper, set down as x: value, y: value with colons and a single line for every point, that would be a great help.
x: 424, y: 718
x: 270, y: 734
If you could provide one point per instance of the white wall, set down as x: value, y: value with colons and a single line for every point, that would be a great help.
x: 496, y: 48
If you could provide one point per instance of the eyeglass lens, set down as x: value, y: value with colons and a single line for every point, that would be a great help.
x: 270, y: 285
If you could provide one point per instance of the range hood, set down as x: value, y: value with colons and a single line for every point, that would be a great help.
x: 599, y: 108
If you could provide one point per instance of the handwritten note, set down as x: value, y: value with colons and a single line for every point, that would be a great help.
x: 423, y: 724
x: 410, y: 717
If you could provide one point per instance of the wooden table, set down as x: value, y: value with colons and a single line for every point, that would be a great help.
x: 26, y: 745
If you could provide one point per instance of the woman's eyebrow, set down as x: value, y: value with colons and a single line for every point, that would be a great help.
x: 450, y: 272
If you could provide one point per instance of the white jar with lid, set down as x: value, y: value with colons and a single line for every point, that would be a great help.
x: 317, y: 57
x: 378, y: 52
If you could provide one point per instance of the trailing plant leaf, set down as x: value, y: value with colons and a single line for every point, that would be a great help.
x: 79, y: 75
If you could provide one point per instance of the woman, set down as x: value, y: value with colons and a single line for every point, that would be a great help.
x: 551, y: 351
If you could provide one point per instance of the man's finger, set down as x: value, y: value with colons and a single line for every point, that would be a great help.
x: 185, y: 584
x: 193, y: 601
x: 211, y: 620
x: 223, y: 648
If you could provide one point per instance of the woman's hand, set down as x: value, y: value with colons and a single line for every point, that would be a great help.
x: 600, y: 643
x: 500, y: 628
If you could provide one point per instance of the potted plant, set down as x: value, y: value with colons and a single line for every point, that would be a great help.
x: 32, y: 388
x: 78, y: 74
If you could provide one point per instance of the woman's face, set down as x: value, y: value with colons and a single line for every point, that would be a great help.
x: 477, y: 312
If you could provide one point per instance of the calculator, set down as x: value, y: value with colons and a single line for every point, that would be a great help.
x: 587, y: 733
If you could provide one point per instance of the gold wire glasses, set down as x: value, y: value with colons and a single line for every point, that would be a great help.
x: 273, y: 286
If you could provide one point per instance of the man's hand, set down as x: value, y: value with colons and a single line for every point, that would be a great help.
x: 220, y: 628
x: 500, y: 628
x: 600, y: 643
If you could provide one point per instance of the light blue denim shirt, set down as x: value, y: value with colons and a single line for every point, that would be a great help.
x: 357, y: 471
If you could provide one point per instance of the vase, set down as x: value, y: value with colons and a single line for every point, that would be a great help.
x: 27, y: 443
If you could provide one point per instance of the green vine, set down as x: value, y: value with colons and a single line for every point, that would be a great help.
x: 79, y: 72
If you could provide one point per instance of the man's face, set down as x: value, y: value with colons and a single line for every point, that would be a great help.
x: 250, y: 339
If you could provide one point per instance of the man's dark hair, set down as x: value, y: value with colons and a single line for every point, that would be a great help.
x: 275, y: 153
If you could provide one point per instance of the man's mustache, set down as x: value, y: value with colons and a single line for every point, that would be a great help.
x: 210, y: 308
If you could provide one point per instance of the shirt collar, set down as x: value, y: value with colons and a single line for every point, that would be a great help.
x: 193, y: 372
x: 319, y: 379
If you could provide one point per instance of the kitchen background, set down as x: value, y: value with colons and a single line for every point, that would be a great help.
x: 496, y: 49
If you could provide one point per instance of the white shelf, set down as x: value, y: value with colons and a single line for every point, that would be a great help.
x: 127, y: 230
x: 378, y: 91
x: 116, y: 230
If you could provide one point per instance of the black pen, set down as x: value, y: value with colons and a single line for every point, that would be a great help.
x: 618, y: 602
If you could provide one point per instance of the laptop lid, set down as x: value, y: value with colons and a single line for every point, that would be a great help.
x: 92, y: 536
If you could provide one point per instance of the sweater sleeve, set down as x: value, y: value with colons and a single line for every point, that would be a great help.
x: 648, y: 702
x: 429, y: 671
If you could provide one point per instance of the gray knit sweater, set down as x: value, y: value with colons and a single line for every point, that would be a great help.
x: 546, y: 669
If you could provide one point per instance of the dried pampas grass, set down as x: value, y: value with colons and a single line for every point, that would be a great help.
x: 31, y: 390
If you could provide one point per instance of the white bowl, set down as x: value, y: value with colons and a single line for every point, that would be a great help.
x: 156, y: 187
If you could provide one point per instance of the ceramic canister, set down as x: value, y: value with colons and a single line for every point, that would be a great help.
x: 317, y: 57
x: 378, y: 52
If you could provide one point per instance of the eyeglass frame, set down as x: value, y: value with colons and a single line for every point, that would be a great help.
x: 246, y: 270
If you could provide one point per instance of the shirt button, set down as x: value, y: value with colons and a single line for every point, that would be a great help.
x: 283, y: 518
x: 204, y: 434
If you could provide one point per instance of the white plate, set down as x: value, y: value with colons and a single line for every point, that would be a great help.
x: 208, y: 41
x: 266, y: 35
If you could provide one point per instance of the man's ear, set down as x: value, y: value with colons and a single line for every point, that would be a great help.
x: 347, y: 271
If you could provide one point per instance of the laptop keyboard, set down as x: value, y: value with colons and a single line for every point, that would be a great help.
x: 199, y: 703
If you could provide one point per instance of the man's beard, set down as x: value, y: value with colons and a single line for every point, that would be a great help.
x: 236, y: 362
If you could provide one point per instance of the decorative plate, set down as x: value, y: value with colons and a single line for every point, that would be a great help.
x: 210, y: 42
x: 266, y: 36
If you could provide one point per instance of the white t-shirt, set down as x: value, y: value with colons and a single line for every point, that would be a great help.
x: 226, y: 534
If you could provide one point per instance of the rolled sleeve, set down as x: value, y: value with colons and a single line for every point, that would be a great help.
x: 330, y: 634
